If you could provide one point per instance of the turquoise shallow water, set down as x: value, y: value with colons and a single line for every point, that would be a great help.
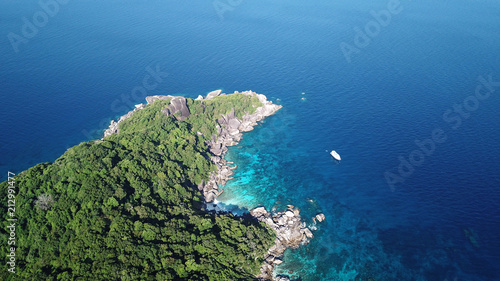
x: 80, y: 71
x: 418, y: 232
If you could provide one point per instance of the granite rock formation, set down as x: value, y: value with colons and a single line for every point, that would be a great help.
x: 114, y: 126
x: 291, y: 232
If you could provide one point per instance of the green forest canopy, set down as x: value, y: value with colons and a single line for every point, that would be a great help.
x: 126, y: 207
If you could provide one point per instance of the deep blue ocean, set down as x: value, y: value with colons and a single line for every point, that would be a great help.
x: 413, y: 85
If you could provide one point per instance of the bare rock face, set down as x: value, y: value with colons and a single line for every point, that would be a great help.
x: 213, y: 94
x: 151, y: 99
x: 177, y: 105
x: 216, y: 148
x: 228, y: 126
x: 233, y: 124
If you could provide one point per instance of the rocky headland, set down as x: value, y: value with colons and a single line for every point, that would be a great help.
x: 229, y: 133
x: 291, y: 232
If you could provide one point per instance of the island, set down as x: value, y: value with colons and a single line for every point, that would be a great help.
x: 131, y: 206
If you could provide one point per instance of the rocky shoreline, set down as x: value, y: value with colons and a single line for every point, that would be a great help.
x: 113, y: 127
x: 229, y: 133
x: 291, y: 232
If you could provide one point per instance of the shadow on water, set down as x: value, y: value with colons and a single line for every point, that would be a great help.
x: 219, y: 207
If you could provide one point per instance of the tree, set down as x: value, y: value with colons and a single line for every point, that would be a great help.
x: 44, y: 201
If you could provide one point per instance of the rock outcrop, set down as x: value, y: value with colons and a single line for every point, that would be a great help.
x: 177, y: 105
x: 213, y: 94
x: 320, y: 217
x: 151, y: 99
x: 177, y: 108
x: 114, y: 126
x: 291, y: 232
x: 267, y: 109
x: 210, y: 95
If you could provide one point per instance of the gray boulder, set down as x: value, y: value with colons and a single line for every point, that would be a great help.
x: 320, y: 217
x: 152, y: 99
x: 177, y: 105
x: 216, y: 148
x: 213, y: 94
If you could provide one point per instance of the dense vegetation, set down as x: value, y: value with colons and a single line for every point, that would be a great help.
x: 126, y: 207
x: 212, y: 109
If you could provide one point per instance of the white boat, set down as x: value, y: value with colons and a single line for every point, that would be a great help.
x: 335, y: 155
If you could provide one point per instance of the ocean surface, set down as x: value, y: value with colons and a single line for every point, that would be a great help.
x: 399, y: 89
